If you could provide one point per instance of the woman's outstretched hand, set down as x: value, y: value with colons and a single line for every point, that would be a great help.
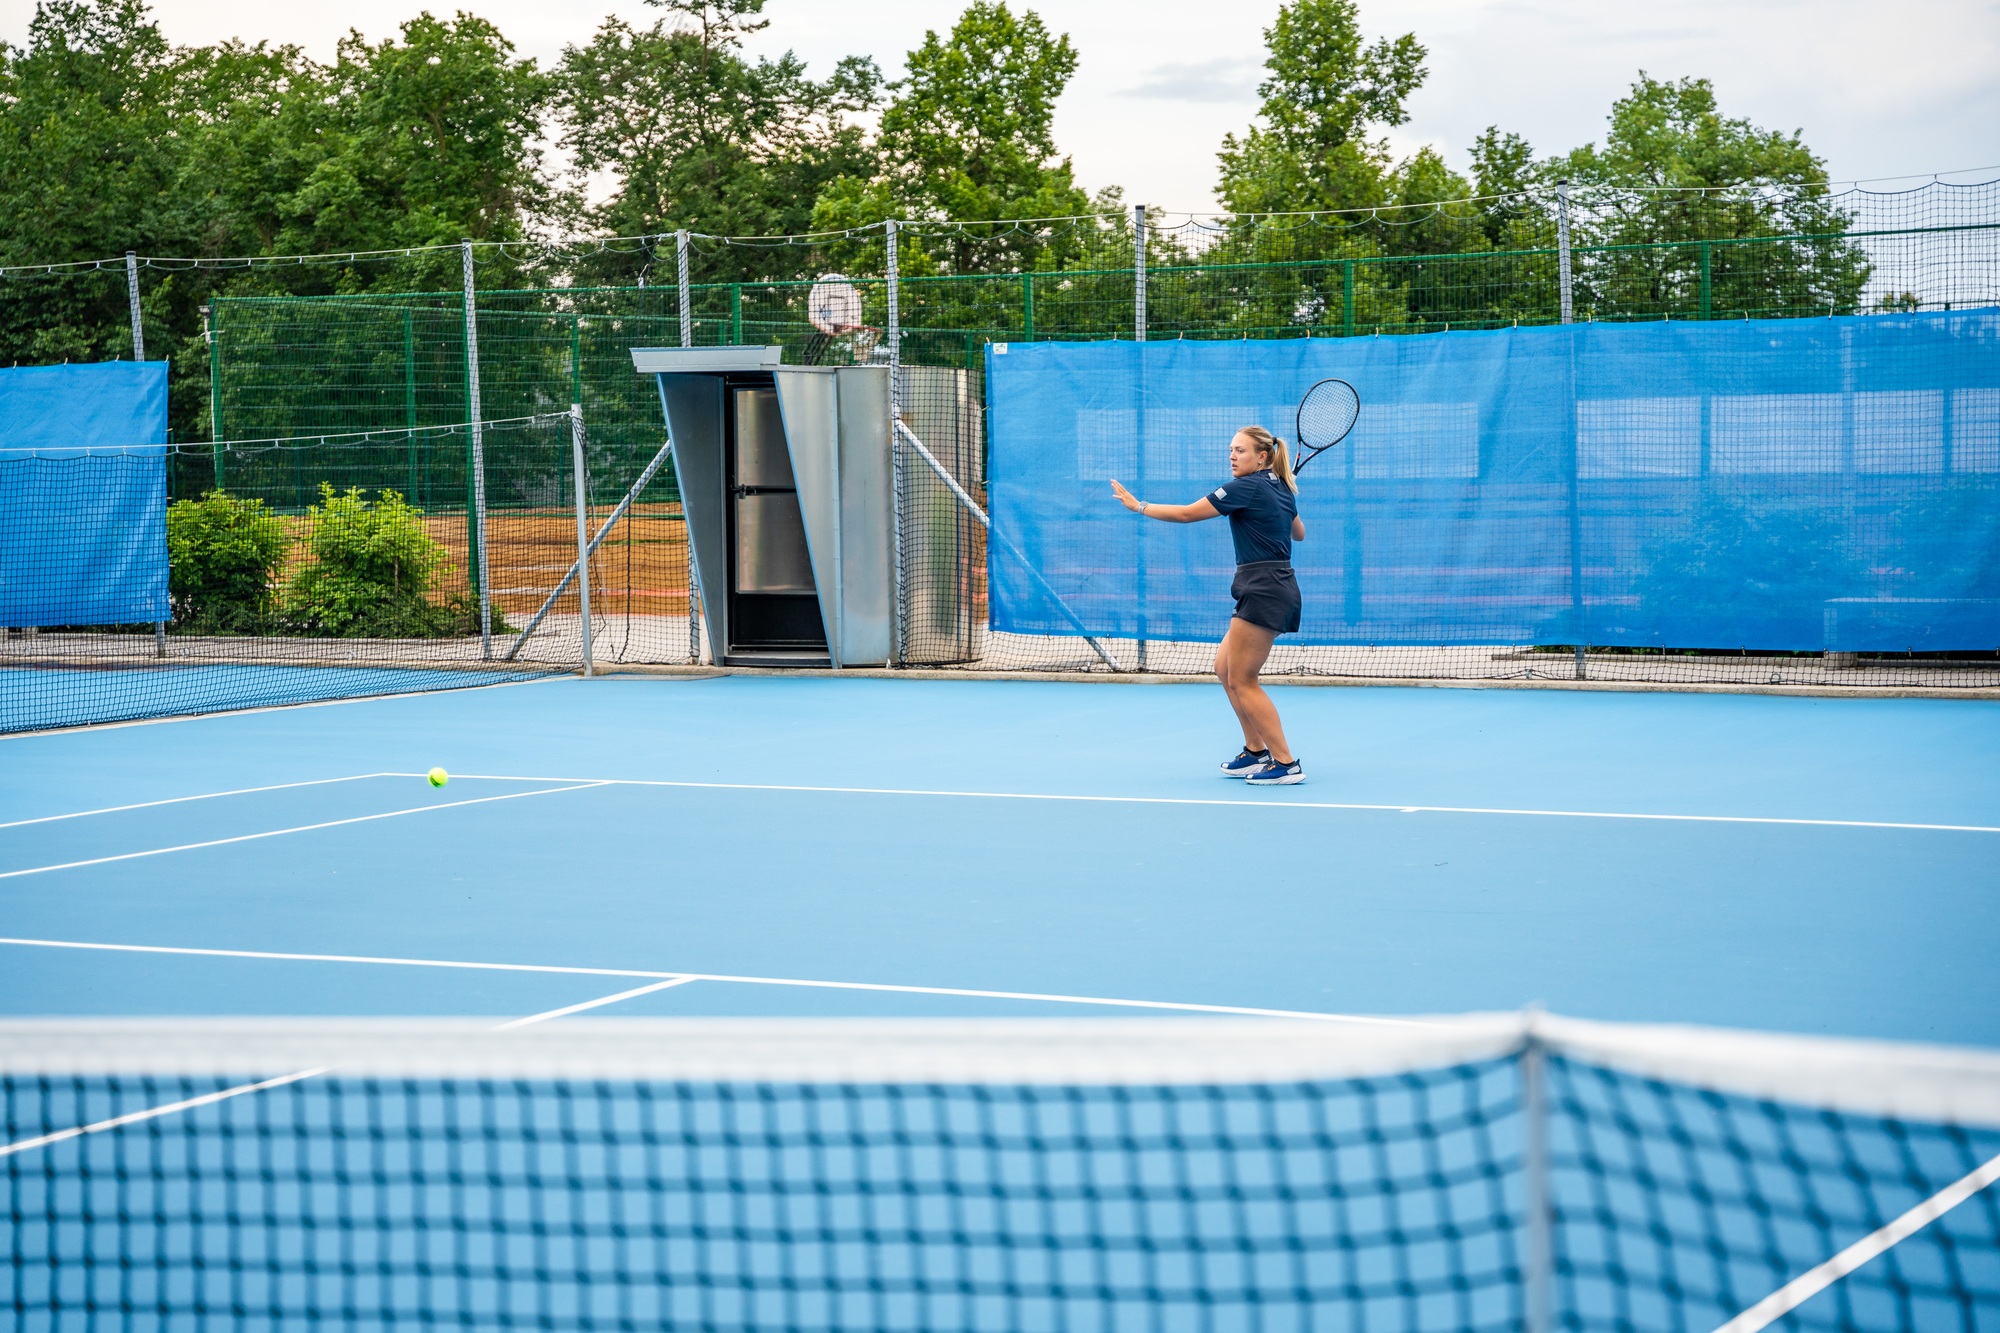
x: 1125, y: 497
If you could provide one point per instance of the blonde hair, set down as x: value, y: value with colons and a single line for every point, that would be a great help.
x: 1273, y: 448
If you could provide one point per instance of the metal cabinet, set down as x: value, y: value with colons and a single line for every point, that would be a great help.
x: 785, y: 475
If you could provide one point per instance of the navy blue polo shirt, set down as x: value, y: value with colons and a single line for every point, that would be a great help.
x: 1260, y: 509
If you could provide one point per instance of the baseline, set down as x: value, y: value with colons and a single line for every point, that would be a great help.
x: 1259, y: 805
x: 725, y: 977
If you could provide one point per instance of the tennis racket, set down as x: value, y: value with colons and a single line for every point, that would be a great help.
x: 1327, y: 412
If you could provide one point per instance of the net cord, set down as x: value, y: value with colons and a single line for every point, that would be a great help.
x: 972, y: 506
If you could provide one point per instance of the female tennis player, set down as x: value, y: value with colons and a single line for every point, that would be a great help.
x: 1261, y: 499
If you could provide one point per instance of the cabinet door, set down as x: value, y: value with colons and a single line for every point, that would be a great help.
x: 771, y: 554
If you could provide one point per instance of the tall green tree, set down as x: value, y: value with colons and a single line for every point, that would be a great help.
x: 90, y: 152
x: 1327, y: 95
x: 1674, y: 169
x: 969, y: 135
x: 697, y: 135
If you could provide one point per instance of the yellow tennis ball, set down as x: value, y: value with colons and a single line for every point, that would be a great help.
x: 439, y: 777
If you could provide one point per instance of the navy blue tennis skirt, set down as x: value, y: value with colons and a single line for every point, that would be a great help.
x: 1267, y: 595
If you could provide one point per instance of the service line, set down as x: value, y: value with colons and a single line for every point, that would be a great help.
x: 1274, y: 804
x: 297, y: 1075
x: 1035, y: 996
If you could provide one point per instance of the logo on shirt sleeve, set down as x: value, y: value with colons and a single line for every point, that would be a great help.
x: 1222, y: 492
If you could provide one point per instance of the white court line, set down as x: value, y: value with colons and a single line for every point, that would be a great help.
x: 204, y: 796
x: 1815, y: 1280
x: 224, y: 1094
x: 302, y: 828
x: 1272, y: 805
x: 1318, y: 1016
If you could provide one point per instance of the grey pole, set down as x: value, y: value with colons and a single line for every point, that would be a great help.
x: 139, y: 354
x: 899, y: 627
x: 132, y: 298
x: 681, y: 269
x: 895, y: 325
x: 1139, y: 272
x: 582, y: 477
x: 478, y: 515
x: 1564, y: 284
x: 1139, y: 335
x: 1566, y: 292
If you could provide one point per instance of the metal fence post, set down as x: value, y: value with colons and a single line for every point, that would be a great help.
x: 1566, y: 294
x: 1707, y: 285
x: 132, y: 298
x: 582, y: 476
x: 1027, y: 307
x: 1565, y: 289
x: 681, y: 272
x: 899, y: 619
x: 208, y: 330
x: 1139, y: 415
x: 1138, y: 272
x: 476, y: 517
x: 895, y: 320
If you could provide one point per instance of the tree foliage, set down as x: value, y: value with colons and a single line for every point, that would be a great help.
x: 696, y: 135
x: 113, y: 139
x: 1326, y: 97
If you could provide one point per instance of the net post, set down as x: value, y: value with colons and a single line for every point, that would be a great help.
x: 1565, y: 289
x: 681, y: 277
x: 582, y: 481
x: 1538, y: 1218
x: 159, y: 638
x: 476, y: 515
x: 132, y: 299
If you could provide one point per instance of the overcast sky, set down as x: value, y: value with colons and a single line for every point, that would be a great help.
x: 1879, y: 88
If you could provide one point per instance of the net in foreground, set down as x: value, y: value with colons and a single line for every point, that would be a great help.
x: 1490, y: 1172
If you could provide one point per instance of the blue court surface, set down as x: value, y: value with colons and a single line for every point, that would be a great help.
x: 815, y: 846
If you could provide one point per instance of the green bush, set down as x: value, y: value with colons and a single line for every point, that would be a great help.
x: 223, y: 556
x: 371, y: 572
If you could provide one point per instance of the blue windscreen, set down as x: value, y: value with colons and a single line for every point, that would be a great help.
x: 71, y: 460
x: 1796, y: 484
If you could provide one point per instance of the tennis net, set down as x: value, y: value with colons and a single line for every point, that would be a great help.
x: 1487, y: 1172
x: 159, y: 580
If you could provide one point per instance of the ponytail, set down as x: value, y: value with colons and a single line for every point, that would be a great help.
x: 1273, y: 449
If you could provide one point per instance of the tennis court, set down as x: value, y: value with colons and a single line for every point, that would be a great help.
x: 1794, y: 864
x: 813, y: 850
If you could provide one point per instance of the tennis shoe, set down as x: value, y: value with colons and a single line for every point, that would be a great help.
x: 1275, y: 774
x: 1246, y: 762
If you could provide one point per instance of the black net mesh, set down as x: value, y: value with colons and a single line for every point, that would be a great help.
x: 1380, y: 1203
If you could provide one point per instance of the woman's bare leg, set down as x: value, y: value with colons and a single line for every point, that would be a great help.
x: 1237, y: 662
